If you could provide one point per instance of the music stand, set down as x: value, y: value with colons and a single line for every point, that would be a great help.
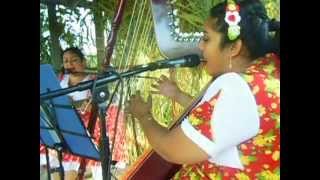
x: 61, y: 127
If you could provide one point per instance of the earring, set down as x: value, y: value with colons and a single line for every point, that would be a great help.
x: 230, y: 63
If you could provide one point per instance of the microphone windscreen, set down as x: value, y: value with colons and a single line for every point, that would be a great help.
x: 192, y: 60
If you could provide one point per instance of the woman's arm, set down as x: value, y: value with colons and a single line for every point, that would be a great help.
x: 174, y: 146
x: 171, y: 145
x: 169, y: 88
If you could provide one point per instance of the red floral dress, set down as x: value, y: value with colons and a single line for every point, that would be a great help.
x: 260, y: 154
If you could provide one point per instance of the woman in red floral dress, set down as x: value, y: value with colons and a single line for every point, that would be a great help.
x: 234, y: 131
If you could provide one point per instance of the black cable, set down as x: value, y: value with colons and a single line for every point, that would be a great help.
x: 102, y: 147
x: 106, y: 108
x: 118, y: 111
x: 117, y: 116
x: 48, y: 163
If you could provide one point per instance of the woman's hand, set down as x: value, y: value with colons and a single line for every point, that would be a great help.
x: 169, y: 88
x: 166, y: 87
x: 137, y: 107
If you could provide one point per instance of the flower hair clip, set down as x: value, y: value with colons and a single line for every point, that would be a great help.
x: 232, y: 18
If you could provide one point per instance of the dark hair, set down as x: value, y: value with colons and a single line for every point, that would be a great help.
x: 255, y: 27
x: 76, y: 51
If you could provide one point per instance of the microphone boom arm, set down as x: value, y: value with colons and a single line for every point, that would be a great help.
x: 88, y: 84
x: 186, y: 61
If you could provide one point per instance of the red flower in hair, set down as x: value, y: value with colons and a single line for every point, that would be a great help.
x: 232, y: 18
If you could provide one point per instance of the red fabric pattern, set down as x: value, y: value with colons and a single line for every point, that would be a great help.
x: 260, y: 155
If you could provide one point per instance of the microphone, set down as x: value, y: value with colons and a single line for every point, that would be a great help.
x: 185, y: 61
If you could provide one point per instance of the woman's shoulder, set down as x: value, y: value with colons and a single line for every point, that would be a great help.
x: 227, y: 79
x: 227, y: 82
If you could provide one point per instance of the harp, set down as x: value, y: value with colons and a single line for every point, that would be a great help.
x: 172, y: 44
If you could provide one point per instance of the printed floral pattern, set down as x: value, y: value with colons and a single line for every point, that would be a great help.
x: 260, y: 155
x: 200, y: 116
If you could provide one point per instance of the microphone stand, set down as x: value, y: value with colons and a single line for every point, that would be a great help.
x: 100, y: 94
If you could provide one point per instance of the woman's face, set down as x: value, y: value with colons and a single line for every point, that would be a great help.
x: 216, y: 58
x: 72, y: 62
